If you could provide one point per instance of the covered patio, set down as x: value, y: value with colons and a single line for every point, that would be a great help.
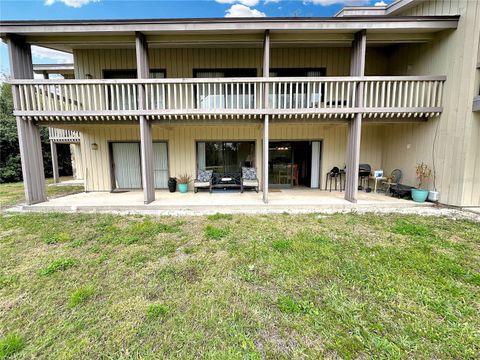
x: 284, y: 200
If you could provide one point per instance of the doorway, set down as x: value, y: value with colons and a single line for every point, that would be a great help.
x: 126, y: 165
x: 294, y: 164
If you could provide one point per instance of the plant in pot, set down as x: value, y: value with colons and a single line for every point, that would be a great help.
x: 423, y: 174
x: 183, y: 181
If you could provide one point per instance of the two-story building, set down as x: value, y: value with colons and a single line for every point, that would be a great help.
x: 387, y: 86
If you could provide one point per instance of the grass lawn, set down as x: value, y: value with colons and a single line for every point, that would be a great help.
x: 13, y: 193
x: 238, y: 287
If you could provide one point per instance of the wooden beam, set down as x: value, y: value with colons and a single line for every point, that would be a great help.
x: 146, y: 141
x: 56, y: 176
x: 28, y: 133
x: 357, y: 68
x: 266, y: 74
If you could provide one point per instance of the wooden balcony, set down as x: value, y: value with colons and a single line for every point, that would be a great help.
x: 63, y: 135
x: 282, y: 98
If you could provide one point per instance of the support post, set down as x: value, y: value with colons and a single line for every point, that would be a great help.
x: 56, y: 175
x: 20, y: 55
x: 146, y: 142
x: 357, y: 68
x: 266, y: 74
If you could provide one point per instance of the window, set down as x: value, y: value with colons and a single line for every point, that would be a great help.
x: 289, y: 95
x: 225, y: 96
x: 225, y: 156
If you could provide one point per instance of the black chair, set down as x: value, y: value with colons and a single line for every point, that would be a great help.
x: 334, y: 176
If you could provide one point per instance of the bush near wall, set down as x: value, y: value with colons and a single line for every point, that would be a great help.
x: 10, y: 163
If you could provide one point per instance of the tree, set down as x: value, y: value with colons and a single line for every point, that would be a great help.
x: 10, y: 163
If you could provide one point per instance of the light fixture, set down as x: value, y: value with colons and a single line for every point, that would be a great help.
x: 94, y: 146
x: 88, y: 76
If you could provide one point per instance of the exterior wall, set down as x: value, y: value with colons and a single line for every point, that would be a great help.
x: 182, y: 139
x: 454, y: 54
x: 180, y: 63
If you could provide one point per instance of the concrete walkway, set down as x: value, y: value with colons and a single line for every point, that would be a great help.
x: 291, y: 201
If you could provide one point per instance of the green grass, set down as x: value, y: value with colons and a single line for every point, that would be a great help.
x: 10, y: 344
x: 215, y: 233
x: 349, y: 286
x: 57, y: 265
x: 12, y: 193
x: 81, y: 295
x: 155, y: 311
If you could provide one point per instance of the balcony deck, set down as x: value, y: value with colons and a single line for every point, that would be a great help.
x: 380, y: 97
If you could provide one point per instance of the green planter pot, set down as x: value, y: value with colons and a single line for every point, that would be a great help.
x: 183, y: 188
x: 419, y: 195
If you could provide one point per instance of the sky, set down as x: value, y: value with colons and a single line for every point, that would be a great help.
x: 149, y: 9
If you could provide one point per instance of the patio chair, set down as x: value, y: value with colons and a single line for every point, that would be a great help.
x: 203, y: 180
x: 249, y: 179
x: 392, y: 180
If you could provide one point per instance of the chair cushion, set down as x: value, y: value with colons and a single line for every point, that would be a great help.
x: 204, y: 175
x: 250, y: 182
x: 249, y: 173
x: 201, y: 183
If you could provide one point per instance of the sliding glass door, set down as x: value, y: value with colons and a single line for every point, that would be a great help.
x: 225, y: 156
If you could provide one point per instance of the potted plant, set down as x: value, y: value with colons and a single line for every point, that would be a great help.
x: 423, y: 174
x: 183, y: 181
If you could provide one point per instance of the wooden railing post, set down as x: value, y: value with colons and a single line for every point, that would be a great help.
x: 28, y: 132
x: 355, y: 125
x: 146, y: 142
x: 266, y: 74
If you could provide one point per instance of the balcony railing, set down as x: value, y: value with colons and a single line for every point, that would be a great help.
x: 63, y: 135
x: 412, y: 96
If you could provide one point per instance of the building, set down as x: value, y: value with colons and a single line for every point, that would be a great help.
x: 389, y: 86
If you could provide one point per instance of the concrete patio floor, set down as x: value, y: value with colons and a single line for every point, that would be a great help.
x: 292, y: 200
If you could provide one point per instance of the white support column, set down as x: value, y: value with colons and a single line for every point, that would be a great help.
x: 266, y: 74
x: 146, y: 142
x: 357, y: 68
x: 53, y: 148
x: 28, y: 132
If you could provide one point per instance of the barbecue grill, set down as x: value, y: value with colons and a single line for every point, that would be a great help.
x: 364, y: 171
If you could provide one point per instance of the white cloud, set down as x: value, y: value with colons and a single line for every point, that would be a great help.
x: 271, y: 1
x: 52, y: 56
x: 243, y: 2
x: 71, y: 3
x: 239, y: 10
x: 342, y: 2
x: 381, y: 3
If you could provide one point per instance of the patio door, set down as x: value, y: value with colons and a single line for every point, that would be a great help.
x: 160, y: 165
x: 126, y: 165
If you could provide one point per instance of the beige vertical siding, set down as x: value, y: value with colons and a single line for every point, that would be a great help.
x: 182, y: 153
x: 452, y: 53
x: 181, y: 62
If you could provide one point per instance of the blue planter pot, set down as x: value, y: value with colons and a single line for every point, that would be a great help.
x: 419, y: 195
x: 183, y: 188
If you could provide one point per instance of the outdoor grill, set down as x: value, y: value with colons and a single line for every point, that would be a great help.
x: 364, y: 171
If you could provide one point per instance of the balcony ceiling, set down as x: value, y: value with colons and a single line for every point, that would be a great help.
x: 285, y: 32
